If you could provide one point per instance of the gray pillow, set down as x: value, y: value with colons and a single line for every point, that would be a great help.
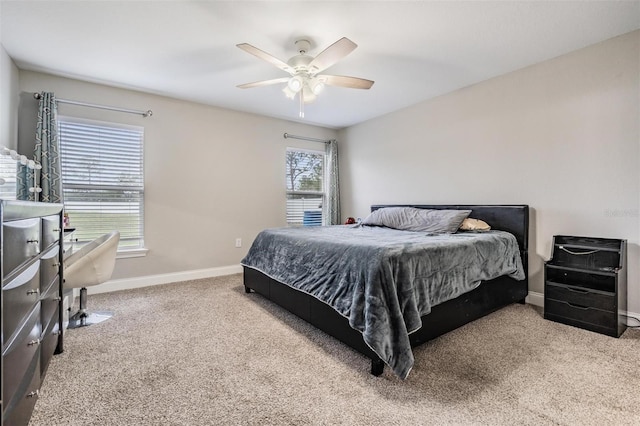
x: 420, y: 220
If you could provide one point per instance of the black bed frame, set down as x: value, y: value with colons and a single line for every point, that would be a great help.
x: 488, y: 297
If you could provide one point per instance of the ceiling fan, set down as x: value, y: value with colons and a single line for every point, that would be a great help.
x: 305, y: 79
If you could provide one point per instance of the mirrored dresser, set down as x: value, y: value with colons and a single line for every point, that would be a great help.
x: 31, y: 272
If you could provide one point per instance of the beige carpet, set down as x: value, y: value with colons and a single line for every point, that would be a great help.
x: 205, y: 353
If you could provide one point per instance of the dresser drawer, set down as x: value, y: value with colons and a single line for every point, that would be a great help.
x: 50, y: 230
x: 21, y: 294
x: 18, y: 411
x: 49, y: 341
x: 581, y: 297
x: 49, y: 303
x: 49, y: 267
x: 23, y: 237
x: 19, y: 355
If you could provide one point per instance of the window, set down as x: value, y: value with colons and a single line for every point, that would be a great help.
x: 8, y: 170
x: 103, y: 179
x: 305, y: 187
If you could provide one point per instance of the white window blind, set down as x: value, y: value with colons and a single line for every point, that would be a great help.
x: 305, y: 187
x: 8, y: 170
x: 103, y: 179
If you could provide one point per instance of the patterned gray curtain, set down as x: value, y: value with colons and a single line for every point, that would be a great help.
x: 24, y: 181
x: 47, y: 151
x: 331, y: 208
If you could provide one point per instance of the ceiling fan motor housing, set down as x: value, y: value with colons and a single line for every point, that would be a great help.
x: 303, y: 46
x: 300, y: 63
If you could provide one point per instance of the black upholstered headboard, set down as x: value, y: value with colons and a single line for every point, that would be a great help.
x: 511, y: 218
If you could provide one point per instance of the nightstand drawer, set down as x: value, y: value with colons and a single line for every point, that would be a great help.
x: 579, y: 313
x: 588, y: 280
x: 581, y: 297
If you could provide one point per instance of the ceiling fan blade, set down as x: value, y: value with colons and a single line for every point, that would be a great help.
x: 263, y: 83
x: 343, y: 81
x: 266, y: 57
x: 332, y: 54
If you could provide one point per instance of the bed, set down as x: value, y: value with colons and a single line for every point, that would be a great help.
x: 382, y: 309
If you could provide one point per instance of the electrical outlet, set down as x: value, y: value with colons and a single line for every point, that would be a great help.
x: 238, y: 242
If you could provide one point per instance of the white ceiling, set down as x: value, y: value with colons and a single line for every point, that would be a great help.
x: 414, y: 50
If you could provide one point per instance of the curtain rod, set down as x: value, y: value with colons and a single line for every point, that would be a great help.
x: 147, y: 113
x: 305, y: 138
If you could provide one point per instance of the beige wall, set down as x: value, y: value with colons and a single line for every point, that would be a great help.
x: 562, y: 136
x: 211, y: 175
x: 8, y: 101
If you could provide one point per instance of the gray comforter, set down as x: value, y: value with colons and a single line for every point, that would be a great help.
x: 383, y: 280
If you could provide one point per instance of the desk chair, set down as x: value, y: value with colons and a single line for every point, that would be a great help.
x: 91, y: 265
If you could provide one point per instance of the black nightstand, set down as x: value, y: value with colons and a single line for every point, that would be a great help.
x: 585, y: 283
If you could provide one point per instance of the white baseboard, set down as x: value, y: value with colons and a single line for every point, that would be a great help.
x: 537, y: 299
x: 533, y: 298
x: 149, y: 280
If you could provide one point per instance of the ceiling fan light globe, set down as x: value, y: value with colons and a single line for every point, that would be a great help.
x: 295, y: 83
x: 308, y: 96
x: 317, y: 87
x: 290, y: 94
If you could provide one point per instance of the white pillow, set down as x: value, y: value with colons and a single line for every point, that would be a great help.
x: 470, y: 224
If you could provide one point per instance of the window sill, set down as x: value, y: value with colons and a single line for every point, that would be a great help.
x: 126, y: 254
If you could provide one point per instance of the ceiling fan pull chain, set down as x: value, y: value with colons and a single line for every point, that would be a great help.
x: 301, y: 97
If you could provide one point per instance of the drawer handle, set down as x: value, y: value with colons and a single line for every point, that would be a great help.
x: 55, y: 230
x: 577, y: 306
x: 33, y: 394
x: 34, y: 342
x: 34, y: 291
x: 33, y: 241
x: 55, y: 265
x: 576, y: 290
